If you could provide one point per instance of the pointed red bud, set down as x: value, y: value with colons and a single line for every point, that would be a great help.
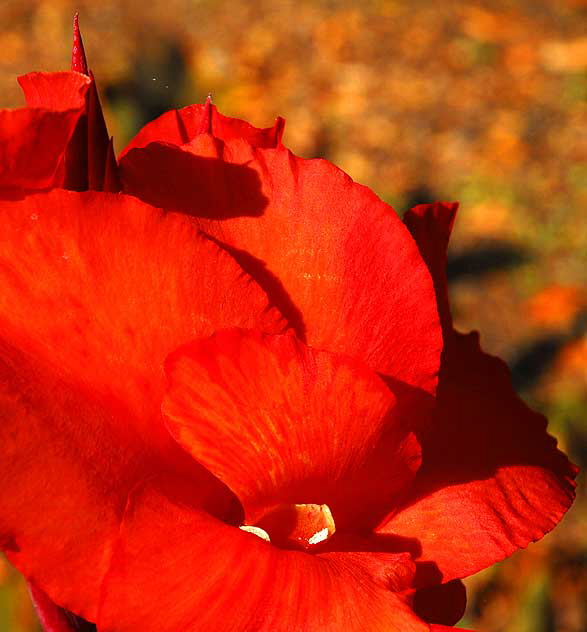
x: 78, y: 55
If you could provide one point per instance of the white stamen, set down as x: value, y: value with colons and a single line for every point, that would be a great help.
x: 319, y: 536
x: 260, y: 533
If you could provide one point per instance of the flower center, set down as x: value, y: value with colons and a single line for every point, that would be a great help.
x: 295, y: 526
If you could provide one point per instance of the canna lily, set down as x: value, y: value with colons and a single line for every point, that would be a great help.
x: 232, y: 397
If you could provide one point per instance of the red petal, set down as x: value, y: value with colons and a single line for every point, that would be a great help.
x: 127, y: 547
x: 179, y: 127
x: 67, y: 466
x: 334, y: 258
x: 284, y: 424
x: 57, y: 91
x: 492, y: 479
x: 104, y: 287
x: 431, y: 226
x: 176, y: 569
x: 206, y: 182
x: 34, y: 139
x: 86, y: 161
x: 347, y: 264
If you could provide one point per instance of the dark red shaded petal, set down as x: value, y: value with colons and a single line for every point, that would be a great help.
x: 207, y: 180
x: 178, y: 127
x: 281, y: 424
x: 431, y: 226
x: 87, y: 159
x: 33, y: 140
x: 104, y: 287
x: 177, y: 569
x: 56, y: 619
x: 111, y: 183
x: 492, y: 479
x: 444, y: 603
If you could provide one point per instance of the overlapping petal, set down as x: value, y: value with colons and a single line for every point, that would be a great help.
x: 33, y: 140
x: 336, y: 260
x: 57, y: 443
x: 103, y: 287
x: 176, y: 569
x: 128, y: 546
x: 88, y: 162
x: 490, y: 471
x: 283, y: 424
x: 132, y: 546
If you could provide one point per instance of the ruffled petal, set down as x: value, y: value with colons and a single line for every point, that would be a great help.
x: 336, y: 260
x: 104, y: 287
x: 34, y: 140
x: 176, y: 569
x: 283, y: 424
x: 490, y: 474
x: 178, y: 127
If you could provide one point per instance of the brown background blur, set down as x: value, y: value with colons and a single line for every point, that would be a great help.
x: 483, y: 102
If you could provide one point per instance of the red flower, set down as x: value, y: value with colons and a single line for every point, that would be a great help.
x: 256, y: 342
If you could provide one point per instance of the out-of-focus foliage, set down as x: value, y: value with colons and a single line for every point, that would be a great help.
x: 485, y: 102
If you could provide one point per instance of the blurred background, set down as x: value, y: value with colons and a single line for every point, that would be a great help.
x: 482, y: 102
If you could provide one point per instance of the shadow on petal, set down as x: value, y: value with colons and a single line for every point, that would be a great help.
x: 175, y: 179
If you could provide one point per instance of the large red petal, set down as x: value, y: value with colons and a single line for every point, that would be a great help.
x: 177, y: 569
x: 128, y: 546
x: 346, y: 262
x: 178, y: 127
x: 492, y: 479
x: 334, y: 257
x: 68, y: 466
x: 33, y: 140
x: 104, y: 287
x: 284, y: 424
